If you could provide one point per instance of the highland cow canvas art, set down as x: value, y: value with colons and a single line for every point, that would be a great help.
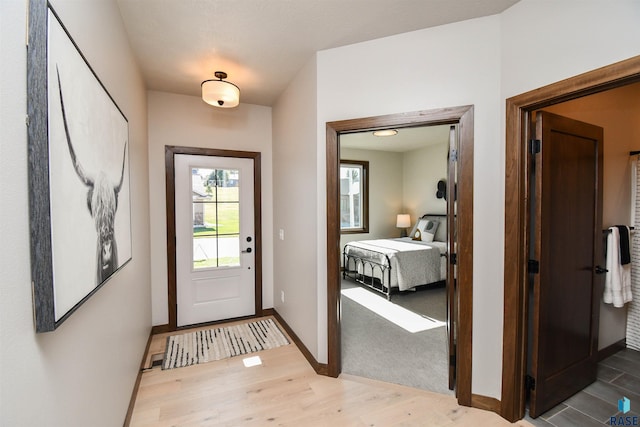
x: 87, y: 184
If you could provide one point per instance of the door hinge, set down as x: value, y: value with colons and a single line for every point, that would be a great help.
x: 533, y: 266
x: 534, y: 146
x: 453, y: 259
x: 529, y: 382
x: 453, y: 155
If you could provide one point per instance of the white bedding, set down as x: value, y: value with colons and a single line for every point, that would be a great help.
x: 412, y: 262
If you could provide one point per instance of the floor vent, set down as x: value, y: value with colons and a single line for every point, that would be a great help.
x: 156, y: 360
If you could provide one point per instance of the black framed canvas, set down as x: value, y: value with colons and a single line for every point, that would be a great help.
x: 79, y: 199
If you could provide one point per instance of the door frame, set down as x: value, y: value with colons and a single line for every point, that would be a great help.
x: 169, y: 152
x: 463, y: 116
x: 516, y: 238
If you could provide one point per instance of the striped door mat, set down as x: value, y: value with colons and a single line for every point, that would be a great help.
x: 219, y: 343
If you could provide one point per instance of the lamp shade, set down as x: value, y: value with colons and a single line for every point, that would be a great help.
x: 220, y: 93
x: 403, y: 221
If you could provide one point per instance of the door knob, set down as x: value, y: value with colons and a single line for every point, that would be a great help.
x: 247, y: 251
x: 600, y: 270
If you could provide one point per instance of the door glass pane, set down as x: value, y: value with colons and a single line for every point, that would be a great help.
x: 204, y: 218
x: 229, y: 217
x: 205, y: 252
x: 216, y: 217
x: 229, y: 251
x: 228, y: 180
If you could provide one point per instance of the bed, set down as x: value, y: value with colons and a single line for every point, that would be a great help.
x: 400, y: 263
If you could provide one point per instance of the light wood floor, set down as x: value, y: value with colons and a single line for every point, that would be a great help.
x: 286, y: 391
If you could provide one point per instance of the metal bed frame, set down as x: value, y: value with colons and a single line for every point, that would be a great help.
x: 370, y: 282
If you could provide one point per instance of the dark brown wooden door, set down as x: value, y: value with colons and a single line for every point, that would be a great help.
x: 451, y: 252
x: 567, y: 242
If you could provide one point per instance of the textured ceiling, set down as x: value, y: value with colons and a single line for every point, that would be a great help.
x: 261, y: 44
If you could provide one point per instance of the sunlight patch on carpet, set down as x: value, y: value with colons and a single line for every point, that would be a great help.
x: 406, y: 319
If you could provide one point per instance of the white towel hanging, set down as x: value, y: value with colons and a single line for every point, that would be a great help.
x: 617, y: 288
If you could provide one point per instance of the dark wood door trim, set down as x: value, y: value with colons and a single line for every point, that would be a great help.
x: 169, y: 153
x: 457, y: 115
x: 516, y: 240
x: 451, y: 299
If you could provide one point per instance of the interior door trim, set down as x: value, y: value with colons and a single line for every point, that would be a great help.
x: 169, y: 152
x: 452, y: 176
x: 516, y: 239
x: 456, y: 115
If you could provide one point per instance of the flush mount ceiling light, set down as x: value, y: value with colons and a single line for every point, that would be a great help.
x: 385, y: 132
x: 220, y: 93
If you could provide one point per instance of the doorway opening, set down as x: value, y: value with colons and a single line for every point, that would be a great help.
x: 228, y: 228
x: 462, y: 117
x: 519, y: 112
x: 394, y: 285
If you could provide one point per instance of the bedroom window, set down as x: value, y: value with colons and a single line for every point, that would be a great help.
x: 354, y: 196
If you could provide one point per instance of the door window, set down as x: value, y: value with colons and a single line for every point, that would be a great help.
x: 216, y: 217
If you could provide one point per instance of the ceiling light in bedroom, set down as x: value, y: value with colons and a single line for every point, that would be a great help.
x: 385, y: 132
x: 220, y: 93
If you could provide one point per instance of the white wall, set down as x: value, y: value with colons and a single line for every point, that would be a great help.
x: 189, y: 122
x: 423, y: 168
x: 545, y: 41
x: 83, y: 373
x: 295, y: 209
x: 451, y: 65
x: 385, y: 193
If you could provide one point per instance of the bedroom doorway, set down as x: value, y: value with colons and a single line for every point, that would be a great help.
x: 460, y: 324
x: 394, y: 287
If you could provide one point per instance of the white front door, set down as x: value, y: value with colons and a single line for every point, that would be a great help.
x: 215, y: 251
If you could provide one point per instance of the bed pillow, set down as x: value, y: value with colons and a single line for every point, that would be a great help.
x: 428, y: 230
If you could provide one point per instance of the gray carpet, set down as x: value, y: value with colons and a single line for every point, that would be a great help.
x: 375, y: 348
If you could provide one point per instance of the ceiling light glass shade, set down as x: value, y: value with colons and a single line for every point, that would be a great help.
x: 385, y: 132
x: 220, y: 93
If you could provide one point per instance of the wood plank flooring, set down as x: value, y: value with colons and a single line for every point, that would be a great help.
x: 285, y: 391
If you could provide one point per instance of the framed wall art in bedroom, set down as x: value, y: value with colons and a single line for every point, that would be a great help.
x: 79, y: 201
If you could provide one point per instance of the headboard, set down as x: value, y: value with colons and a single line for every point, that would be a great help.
x: 441, y: 232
